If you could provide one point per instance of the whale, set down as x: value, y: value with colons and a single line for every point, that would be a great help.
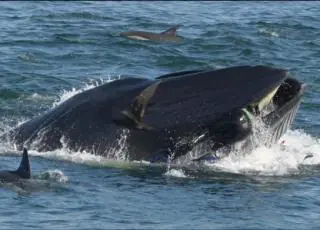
x: 170, y: 35
x: 170, y: 116
x: 22, y: 173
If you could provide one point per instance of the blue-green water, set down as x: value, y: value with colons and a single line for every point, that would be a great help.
x: 53, y: 50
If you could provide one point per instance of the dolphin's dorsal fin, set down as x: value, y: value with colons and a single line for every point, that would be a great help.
x: 24, y: 168
x: 171, y: 31
x: 138, y: 106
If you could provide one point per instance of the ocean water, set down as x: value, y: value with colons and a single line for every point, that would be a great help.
x: 53, y: 50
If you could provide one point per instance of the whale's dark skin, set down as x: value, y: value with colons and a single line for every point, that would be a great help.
x: 167, y: 115
x: 23, y: 171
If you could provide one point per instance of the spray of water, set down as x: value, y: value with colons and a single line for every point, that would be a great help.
x: 66, y: 94
x: 53, y: 175
x: 276, y: 160
x: 253, y: 157
x: 176, y: 173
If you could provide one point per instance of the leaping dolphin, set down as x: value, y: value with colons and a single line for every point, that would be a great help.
x: 23, y: 172
x: 168, y: 35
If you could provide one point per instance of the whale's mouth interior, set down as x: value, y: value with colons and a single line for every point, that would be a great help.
x: 287, y: 90
x: 277, y: 98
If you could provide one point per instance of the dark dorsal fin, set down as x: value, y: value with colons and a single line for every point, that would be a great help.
x: 24, y: 169
x: 171, y: 31
x: 138, y: 106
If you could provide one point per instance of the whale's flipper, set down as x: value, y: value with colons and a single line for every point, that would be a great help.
x: 138, y: 107
x: 24, y: 169
x: 171, y: 31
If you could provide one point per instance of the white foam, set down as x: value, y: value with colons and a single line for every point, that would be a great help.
x: 37, y: 97
x: 66, y: 94
x: 276, y: 160
x: 269, y: 32
x: 80, y: 157
x: 55, y: 175
x: 216, y: 66
x: 175, y: 173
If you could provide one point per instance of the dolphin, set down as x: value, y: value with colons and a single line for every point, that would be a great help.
x: 168, y: 35
x: 23, y: 171
x: 171, y: 116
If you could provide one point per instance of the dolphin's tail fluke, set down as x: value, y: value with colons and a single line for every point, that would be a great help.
x: 24, y: 168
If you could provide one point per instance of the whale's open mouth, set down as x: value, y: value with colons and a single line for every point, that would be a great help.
x: 276, y: 109
x: 286, y: 102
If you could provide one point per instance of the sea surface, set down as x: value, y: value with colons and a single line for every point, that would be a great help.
x: 51, y: 51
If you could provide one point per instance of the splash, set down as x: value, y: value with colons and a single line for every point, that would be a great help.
x: 66, y: 94
x: 120, y: 150
x: 53, y: 175
x: 274, y: 161
x: 176, y: 173
x: 268, y: 32
x: 293, y: 150
x: 115, y: 156
x: 277, y: 160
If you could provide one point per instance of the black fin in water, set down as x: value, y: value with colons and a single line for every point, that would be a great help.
x: 24, y: 169
x: 138, y: 107
x: 172, y: 30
